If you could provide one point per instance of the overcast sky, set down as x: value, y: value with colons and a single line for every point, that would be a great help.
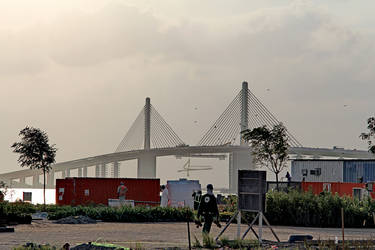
x: 81, y: 69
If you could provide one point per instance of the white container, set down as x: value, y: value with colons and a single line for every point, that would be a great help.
x: 180, y: 192
x: 116, y: 203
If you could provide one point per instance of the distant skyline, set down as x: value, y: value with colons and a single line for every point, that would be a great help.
x: 81, y: 69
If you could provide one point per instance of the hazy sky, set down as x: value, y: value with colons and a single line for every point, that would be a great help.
x: 80, y: 69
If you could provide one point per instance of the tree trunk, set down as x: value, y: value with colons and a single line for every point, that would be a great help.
x: 44, y: 189
x: 277, y: 181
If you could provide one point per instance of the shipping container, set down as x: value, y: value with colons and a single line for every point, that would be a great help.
x: 180, y: 192
x: 345, y: 170
x: 83, y: 191
x: 317, y: 170
x: 358, y: 190
x: 354, y: 170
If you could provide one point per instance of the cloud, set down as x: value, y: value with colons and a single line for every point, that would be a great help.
x: 21, y: 53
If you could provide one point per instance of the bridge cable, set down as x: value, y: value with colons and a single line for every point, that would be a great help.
x: 221, y: 129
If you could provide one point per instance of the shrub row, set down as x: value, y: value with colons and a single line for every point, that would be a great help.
x: 306, y: 209
x: 18, y: 212
x: 289, y: 209
x: 124, y: 214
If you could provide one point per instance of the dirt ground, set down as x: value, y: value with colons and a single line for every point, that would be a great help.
x: 148, y: 235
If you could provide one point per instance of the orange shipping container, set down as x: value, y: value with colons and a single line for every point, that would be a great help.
x: 340, y: 188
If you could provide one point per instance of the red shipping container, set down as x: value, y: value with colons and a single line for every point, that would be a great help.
x: 341, y: 188
x: 83, y: 191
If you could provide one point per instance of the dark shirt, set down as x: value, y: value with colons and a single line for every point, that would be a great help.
x: 208, y: 205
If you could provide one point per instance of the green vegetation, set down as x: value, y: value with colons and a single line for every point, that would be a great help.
x: 124, y: 214
x: 269, y: 147
x: 289, y: 209
x: 370, y: 135
x: 17, y: 212
x: 208, y: 241
x: 34, y: 246
x: 306, y: 209
x: 197, y: 243
x: 35, y: 152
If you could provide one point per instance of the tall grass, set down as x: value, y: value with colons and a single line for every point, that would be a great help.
x: 307, y: 209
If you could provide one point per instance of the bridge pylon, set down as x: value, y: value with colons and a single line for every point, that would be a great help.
x: 149, y: 131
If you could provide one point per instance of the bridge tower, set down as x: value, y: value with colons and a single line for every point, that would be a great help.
x: 246, y: 111
x: 148, y: 133
x: 147, y: 162
x: 243, y: 159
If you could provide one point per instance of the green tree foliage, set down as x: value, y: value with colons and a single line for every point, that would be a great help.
x: 3, y: 190
x: 370, y: 135
x: 35, y: 152
x: 270, y: 147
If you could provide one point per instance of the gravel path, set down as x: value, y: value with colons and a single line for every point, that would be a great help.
x: 148, y: 235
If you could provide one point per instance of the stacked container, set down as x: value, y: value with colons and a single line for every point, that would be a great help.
x: 353, y: 171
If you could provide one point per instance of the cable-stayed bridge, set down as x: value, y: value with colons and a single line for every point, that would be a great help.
x: 150, y: 136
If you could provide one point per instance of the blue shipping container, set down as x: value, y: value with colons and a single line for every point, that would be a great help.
x: 354, y: 170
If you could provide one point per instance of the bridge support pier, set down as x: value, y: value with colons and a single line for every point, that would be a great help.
x: 68, y: 172
x: 79, y: 172
x: 35, y: 180
x: 103, y: 170
x: 97, y: 171
x: 238, y: 161
x: 146, y: 166
x: 50, y: 179
x: 116, y: 169
x: 84, y: 171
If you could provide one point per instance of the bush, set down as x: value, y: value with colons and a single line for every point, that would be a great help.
x: 18, y: 212
x: 306, y: 209
x: 125, y: 214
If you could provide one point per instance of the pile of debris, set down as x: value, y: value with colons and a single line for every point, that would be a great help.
x: 76, y: 220
x: 90, y: 246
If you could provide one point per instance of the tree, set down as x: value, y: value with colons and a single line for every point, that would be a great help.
x: 3, y: 190
x: 35, y: 152
x: 370, y: 134
x: 270, y: 147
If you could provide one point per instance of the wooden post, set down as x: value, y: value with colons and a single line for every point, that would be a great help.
x: 342, y: 227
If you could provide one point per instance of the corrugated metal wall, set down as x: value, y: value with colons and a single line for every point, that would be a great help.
x: 353, y: 170
x: 340, y: 188
x: 330, y: 170
x: 81, y: 191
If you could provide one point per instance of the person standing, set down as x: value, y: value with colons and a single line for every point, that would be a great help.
x: 121, y: 191
x: 197, y: 199
x: 164, y: 197
x: 208, y: 209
